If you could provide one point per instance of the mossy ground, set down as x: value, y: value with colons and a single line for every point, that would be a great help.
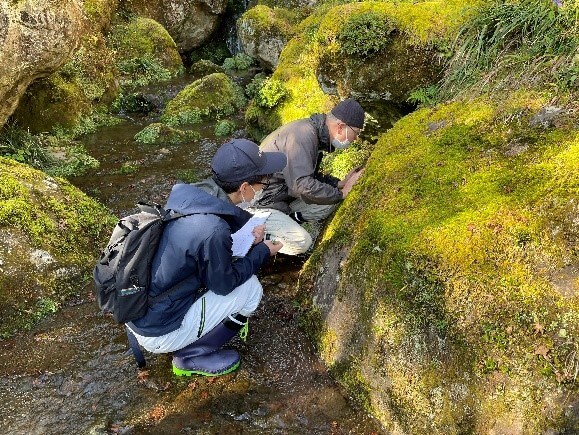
x: 465, y: 214
x: 51, y: 234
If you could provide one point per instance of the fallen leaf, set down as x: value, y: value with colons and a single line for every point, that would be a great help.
x: 143, y: 375
x: 538, y: 328
x: 543, y: 351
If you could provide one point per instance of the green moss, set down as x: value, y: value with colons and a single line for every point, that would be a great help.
x: 297, y: 70
x: 205, y: 67
x: 145, y: 52
x: 42, y: 214
x: 224, y: 128
x: 63, y: 99
x: 239, y: 62
x: 266, y: 22
x: 163, y: 134
x: 99, y: 12
x: 463, y: 215
x: 214, y: 96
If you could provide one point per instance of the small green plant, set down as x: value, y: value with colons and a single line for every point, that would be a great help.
x: 224, y: 128
x: 271, y: 93
x: 365, y: 34
x: 24, y: 147
x: 254, y: 86
x: 512, y: 43
x: 426, y: 96
x: 215, y: 52
x: 76, y: 163
x: 188, y: 175
x: 161, y: 133
x: 127, y: 168
x: 239, y: 62
x: 141, y: 71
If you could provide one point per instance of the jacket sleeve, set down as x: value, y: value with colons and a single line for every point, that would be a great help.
x: 299, y: 173
x: 218, y: 271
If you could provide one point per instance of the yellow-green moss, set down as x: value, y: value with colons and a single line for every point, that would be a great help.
x: 145, y: 52
x: 266, y: 22
x: 297, y: 70
x: 65, y: 97
x: 41, y: 215
x: 315, y: 50
x: 215, y: 95
x: 163, y: 134
x: 99, y: 13
x: 464, y: 215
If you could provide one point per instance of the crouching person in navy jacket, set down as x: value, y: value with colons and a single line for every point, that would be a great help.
x: 212, y: 294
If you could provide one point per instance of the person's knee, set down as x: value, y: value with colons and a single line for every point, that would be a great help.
x: 297, y: 245
x: 254, y: 292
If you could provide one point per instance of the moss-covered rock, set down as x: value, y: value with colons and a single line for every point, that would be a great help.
x: 212, y: 96
x: 372, y: 51
x: 100, y: 13
x: 158, y: 133
x: 205, y: 67
x: 384, y: 50
x: 145, y: 52
x: 189, y: 22
x: 62, y: 99
x: 51, y: 234
x: 444, y: 293
x: 263, y: 32
x: 36, y: 38
x: 297, y: 71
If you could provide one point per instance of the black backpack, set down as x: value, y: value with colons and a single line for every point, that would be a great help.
x: 122, y: 274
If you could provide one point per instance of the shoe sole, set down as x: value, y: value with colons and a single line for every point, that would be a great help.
x: 181, y: 372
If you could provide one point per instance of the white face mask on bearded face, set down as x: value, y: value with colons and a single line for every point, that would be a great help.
x: 340, y: 145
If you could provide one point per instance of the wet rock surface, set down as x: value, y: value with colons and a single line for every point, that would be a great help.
x: 74, y: 374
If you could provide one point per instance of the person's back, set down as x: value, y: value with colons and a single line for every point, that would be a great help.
x: 301, y: 190
x: 205, y: 295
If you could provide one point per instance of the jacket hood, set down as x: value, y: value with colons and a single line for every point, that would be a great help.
x: 319, y: 122
x: 188, y: 199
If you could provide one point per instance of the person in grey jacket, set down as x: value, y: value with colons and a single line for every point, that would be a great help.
x: 300, y: 190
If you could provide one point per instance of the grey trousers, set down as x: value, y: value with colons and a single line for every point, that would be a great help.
x: 312, y: 212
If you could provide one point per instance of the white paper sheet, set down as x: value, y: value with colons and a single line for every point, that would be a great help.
x: 243, y: 239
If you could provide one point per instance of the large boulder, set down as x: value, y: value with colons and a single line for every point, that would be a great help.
x: 377, y: 52
x: 189, y: 22
x: 444, y: 293
x: 36, y: 38
x: 51, y: 234
x: 382, y: 51
x: 263, y: 33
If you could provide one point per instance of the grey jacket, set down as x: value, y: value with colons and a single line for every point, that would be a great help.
x: 302, y: 142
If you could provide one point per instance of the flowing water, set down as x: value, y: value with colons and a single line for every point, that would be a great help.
x: 73, y: 373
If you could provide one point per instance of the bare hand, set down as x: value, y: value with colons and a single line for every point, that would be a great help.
x: 349, y: 175
x: 258, y: 233
x: 273, y: 245
x: 351, y: 181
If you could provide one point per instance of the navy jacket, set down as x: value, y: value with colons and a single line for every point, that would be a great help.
x: 195, y: 252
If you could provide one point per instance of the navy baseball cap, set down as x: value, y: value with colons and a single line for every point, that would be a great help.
x: 240, y: 159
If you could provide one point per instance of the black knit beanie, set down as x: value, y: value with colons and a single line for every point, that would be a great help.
x: 350, y: 113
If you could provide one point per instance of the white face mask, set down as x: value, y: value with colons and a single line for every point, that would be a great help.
x: 340, y: 145
x: 256, y: 195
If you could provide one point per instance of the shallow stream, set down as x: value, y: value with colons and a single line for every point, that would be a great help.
x: 73, y: 372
